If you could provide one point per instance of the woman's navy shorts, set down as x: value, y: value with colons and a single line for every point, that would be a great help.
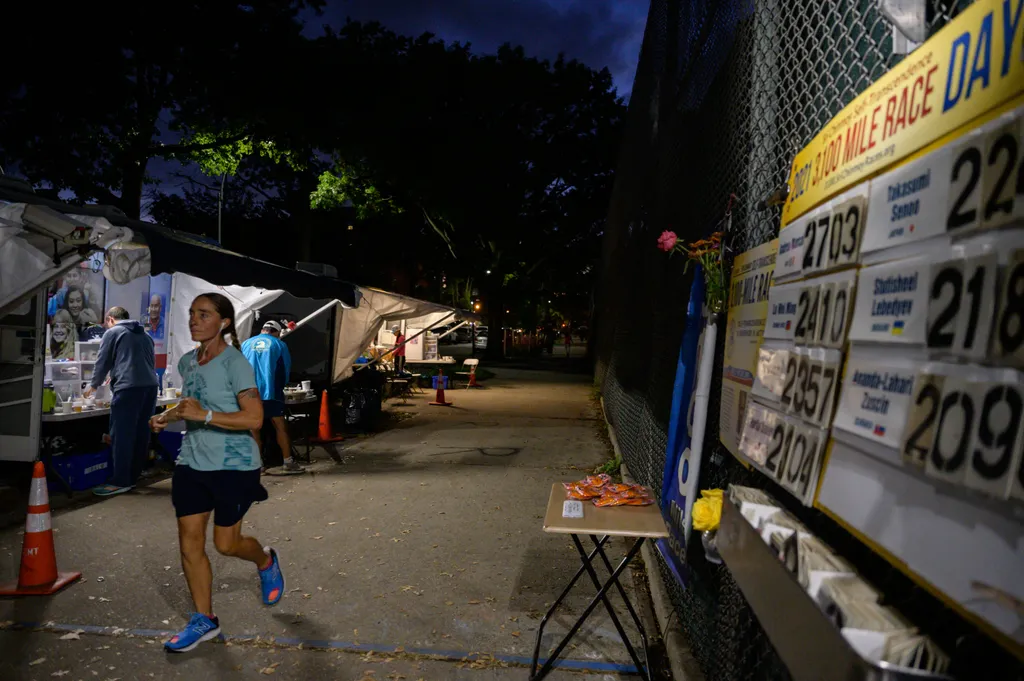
x: 229, y: 494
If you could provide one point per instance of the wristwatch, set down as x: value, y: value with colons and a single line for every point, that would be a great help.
x: 209, y: 417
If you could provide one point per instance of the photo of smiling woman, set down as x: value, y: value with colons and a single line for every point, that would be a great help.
x: 62, y: 336
x: 218, y: 470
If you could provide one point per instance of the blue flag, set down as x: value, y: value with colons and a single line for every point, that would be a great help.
x: 677, y: 460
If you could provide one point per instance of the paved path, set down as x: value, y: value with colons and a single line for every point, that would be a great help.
x: 425, y: 543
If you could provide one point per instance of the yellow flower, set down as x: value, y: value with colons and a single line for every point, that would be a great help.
x: 707, y: 514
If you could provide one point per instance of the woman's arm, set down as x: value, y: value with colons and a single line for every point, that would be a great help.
x: 249, y: 416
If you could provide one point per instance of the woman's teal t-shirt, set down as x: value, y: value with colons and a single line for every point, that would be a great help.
x: 216, y: 385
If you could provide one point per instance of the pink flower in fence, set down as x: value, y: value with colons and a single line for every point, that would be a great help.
x: 667, y: 241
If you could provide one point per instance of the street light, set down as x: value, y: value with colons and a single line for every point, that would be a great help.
x: 488, y: 271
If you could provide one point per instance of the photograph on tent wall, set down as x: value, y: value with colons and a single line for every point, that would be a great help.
x: 74, y: 309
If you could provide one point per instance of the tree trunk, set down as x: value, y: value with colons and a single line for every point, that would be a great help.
x: 133, y: 174
x: 495, y: 316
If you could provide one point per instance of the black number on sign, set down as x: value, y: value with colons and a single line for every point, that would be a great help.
x: 812, y: 316
x: 828, y: 386
x: 937, y: 336
x: 852, y: 214
x: 790, y: 431
x: 930, y: 394
x: 975, y: 287
x: 813, y: 388
x: 793, y: 474
x: 826, y: 312
x: 1007, y: 143
x: 1011, y: 318
x: 809, y: 234
x: 803, y: 305
x: 823, y: 224
x: 953, y: 462
x: 1004, y: 440
x: 958, y: 217
x: 801, y: 386
x: 787, y: 390
x: 778, y: 439
x: 839, y: 317
x: 835, y: 242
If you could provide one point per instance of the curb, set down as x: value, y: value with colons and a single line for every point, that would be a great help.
x: 681, y: 661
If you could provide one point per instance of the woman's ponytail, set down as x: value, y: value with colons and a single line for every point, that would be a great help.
x: 230, y: 331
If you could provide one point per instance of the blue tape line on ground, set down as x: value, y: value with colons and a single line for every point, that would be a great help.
x: 579, y: 665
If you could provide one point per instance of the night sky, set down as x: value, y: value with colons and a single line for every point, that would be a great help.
x: 600, y: 33
x: 597, y: 32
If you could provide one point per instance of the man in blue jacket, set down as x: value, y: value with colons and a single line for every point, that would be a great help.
x: 126, y: 353
x: 272, y: 364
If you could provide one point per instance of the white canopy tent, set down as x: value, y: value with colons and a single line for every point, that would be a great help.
x: 40, y: 240
x: 355, y: 328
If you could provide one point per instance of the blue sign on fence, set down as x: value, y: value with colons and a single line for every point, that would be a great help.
x: 677, y: 460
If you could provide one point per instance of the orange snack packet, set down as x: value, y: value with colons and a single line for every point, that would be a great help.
x: 581, y: 491
x: 623, y: 500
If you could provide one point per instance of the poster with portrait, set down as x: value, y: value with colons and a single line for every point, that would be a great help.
x: 74, y: 308
x: 154, y: 316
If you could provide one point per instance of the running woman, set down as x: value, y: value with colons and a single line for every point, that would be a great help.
x: 218, y: 470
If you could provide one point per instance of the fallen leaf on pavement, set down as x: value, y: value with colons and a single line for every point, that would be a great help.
x: 62, y: 672
x: 320, y: 537
x: 515, y: 633
x: 474, y: 602
x: 332, y: 523
x: 33, y: 663
x: 104, y: 600
x: 72, y: 636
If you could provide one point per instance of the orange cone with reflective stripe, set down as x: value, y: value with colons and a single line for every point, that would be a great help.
x: 324, y: 433
x: 439, y: 400
x: 38, y: 576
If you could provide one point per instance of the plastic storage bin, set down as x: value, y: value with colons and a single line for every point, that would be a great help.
x: 83, y: 471
x: 87, y: 351
x: 63, y: 371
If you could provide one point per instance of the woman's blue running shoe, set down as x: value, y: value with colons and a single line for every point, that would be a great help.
x: 272, y: 579
x: 200, y: 628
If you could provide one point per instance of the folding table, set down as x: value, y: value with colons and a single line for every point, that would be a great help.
x: 641, y: 522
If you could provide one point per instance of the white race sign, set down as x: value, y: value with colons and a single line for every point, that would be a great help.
x: 876, y: 398
x: 909, y: 204
x: 782, y: 302
x: 892, y: 302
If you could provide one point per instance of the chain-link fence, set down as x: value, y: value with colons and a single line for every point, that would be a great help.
x: 726, y: 93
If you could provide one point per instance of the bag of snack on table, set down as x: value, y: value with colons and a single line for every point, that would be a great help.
x: 623, y: 500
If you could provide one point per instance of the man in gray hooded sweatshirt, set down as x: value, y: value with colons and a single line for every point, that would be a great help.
x: 126, y: 353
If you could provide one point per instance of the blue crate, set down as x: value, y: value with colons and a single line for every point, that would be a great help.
x: 83, y: 471
x: 170, y: 441
x: 434, y: 382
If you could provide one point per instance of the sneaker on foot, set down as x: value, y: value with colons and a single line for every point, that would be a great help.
x: 200, y: 628
x: 289, y: 468
x: 272, y: 579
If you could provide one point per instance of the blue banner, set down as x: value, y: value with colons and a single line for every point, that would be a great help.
x: 677, y: 460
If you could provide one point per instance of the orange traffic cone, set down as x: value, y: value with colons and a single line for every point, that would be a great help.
x: 324, y: 433
x: 38, y: 576
x: 472, y: 379
x: 439, y: 400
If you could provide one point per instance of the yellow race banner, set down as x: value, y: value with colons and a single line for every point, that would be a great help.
x: 971, y: 66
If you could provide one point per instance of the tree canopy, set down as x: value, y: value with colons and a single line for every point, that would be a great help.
x: 380, y: 153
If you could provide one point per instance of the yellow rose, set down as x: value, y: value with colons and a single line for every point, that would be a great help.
x: 706, y: 515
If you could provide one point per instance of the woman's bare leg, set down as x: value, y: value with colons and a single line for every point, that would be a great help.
x: 195, y: 562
